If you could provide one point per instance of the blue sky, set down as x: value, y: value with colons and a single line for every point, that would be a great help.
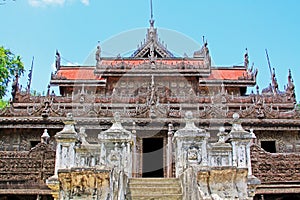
x: 39, y: 27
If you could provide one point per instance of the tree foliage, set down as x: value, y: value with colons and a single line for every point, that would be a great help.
x: 3, y: 103
x: 10, y: 65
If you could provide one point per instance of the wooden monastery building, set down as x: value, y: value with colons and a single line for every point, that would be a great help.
x: 153, y: 95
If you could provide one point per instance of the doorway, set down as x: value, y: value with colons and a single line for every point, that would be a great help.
x: 153, y: 151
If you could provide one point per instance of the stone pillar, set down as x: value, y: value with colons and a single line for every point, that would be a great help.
x: 134, y: 152
x: 116, y: 147
x: 65, y: 148
x: 249, y: 152
x: 241, y: 141
x: 65, y: 153
x: 190, y: 146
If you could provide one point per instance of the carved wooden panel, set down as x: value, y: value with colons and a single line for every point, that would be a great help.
x: 27, y: 167
x: 275, y: 167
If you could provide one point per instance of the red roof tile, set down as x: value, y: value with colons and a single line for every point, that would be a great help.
x: 87, y: 73
x: 78, y: 73
x: 226, y: 74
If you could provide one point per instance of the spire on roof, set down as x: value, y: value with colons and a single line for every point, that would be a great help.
x: 152, y: 47
x: 151, y: 15
x: 151, y: 9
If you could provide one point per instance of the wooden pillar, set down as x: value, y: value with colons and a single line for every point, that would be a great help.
x: 170, y: 152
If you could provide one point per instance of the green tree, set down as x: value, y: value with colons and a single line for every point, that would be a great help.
x: 10, y: 65
x: 3, y: 103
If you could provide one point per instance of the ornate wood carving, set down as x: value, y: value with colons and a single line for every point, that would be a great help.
x: 28, y: 168
x: 275, y: 168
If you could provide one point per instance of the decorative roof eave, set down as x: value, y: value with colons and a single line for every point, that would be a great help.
x: 164, y: 73
x: 144, y: 67
x: 67, y: 82
x: 32, y: 123
x: 228, y: 83
x: 213, y: 124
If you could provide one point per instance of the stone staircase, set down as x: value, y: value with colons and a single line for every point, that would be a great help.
x: 154, y: 189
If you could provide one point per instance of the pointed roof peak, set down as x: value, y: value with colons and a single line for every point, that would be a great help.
x: 152, y: 47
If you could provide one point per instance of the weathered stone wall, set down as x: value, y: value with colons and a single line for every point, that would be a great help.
x: 275, y: 167
x: 26, y: 169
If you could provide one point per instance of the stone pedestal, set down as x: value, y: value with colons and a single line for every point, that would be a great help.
x: 190, y: 146
x: 241, y: 141
x: 87, y: 155
x: 65, y: 154
x: 220, y: 170
x: 116, y: 145
x: 220, y: 153
x: 65, y: 147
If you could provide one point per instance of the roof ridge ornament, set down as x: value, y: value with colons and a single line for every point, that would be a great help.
x: 98, y: 54
x: 151, y: 14
x: 246, y: 59
x: 290, y: 88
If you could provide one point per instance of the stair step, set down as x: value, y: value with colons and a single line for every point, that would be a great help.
x: 159, y: 181
x: 157, y: 197
x: 154, y: 189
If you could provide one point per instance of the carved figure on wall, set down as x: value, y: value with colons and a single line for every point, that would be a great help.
x: 260, y: 113
x: 222, y: 135
x: 82, y: 136
x: 193, y: 155
x: 114, y: 157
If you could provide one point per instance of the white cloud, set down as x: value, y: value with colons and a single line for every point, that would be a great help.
x: 85, y: 2
x: 39, y: 3
x: 43, y: 3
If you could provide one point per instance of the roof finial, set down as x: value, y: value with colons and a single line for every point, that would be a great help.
x: 151, y: 9
x: 246, y: 59
x: 98, y: 53
x: 151, y: 14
